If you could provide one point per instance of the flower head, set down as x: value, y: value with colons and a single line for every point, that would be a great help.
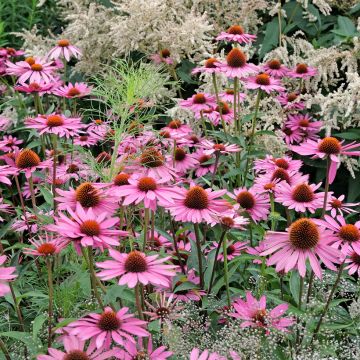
x: 236, y: 33
x: 302, y: 71
x: 64, y: 49
x: 47, y: 246
x: 264, y: 82
x: 71, y: 91
x: 275, y: 68
x: 208, y: 67
x: 6, y: 274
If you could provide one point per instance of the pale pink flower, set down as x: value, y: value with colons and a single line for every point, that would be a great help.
x: 232, y: 220
x: 303, y: 240
x: 264, y: 82
x: 107, y: 326
x: 5, y: 123
x: 6, y: 171
x: 337, y: 206
x: 236, y: 33
x: 6, y: 275
x: 206, y: 163
x: 228, y: 96
x: 196, y: 354
x: 275, y: 68
x: 353, y: 261
x: 255, y: 314
x: 136, y: 267
x: 303, y: 122
x: 9, y: 143
x: 291, y: 101
x: 64, y: 49
x: 271, y: 163
x: 233, y: 249
x: 198, y: 102
x: 302, y: 71
x: 46, y: 246
x: 163, y: 56
x: 209, y: 67
x: 256, y: 251
x: 71, y: 91
x: 5, y: 208
x: 210, y: 147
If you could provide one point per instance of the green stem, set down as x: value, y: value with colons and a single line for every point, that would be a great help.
x: 327, y: 182
x: 138, y: 301
x: 226, y: 272
x: 146, y: 225
x: 4, y: 350
x: 175, y: 245
x: 17, y: 308
x: 93, y: 277
x: 217, y: 157
x: 311, y: 280
x: 279, y: 19
x: 54, y: 141
x: 32, y: 192
x: 272, y: 204
x: 51, y: 296
x: 199, y: 254
x: 218, y: 101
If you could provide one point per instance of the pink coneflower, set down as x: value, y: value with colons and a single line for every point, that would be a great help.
x: 74, y: 170
x: 27, y: 161
x: 47, y: 246
x: 75, y: 350
x: 196, y: 354
x: 9, y: 143
x: 209, y: 67
x: 329, y: 147
x: 205, y: 164
x: 136, y: 267
x: 145, y: 189
x: 233, y: 250
x: 275, y: 68
x: 157, y: 242
x: 337, y: 206
x: 248, y: 201
x: 57, y: 124
x: 303, y: 240
x: 71, y: 91
x: 5, y: 172
x: 88, y: 228
x: 303, y: 122
x: 40, y: 88
x: 88, y: 195
x: 291, y: 101
x: 255, y: 315
x: 353, y: 261
x: 107, y: 326
x: 221, y: 111
x: 292, y: 136
x: 98, y: 127
x: 5, y: 208
x: 302, y: 71
x: 236, y: 65
x: 29, y: 223
x: 10, y: 52
x: 271, y: 163
x: 182, y: 160
x: 33, y: 70
x: 5, y: 123
x: 163, y: 56
x: 6, y: 275
x: 198, y: 102
x: 177, y: 129
x: 256, y: 251
x: 292, y: 177
x: 210, y: 148
x: 300, y: 196
x: 85, y: 140
x: 347, y: 235
x: 232, y: 220
x: 228, y: 96
x: 187, y: 295
x: 237, y: 34
x: 264, y: 82
x: 64, y: 49
x: 197, y: 205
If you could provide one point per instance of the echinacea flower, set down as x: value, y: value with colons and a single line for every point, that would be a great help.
x: 290, y: 101
x: 303, y: 240
x: 301, y: 196
x: 182, y: 160
x: 75, y: 350
x: 292, y: 136
x: 271, y: 163
x: 275, y: 68
x: 71, y: 91
x: 187, y: 295
x: 302, y: 71
x: 9, y: 143
x: 209, y: 67
x: 57, y: 124
x: 353, y: 261
x: 232, y: 221
x: 196, y: 354
x: 255, y: 314
x: 303, y: 122
x: 6, y: 275
x: 210, y: 148
x: 233, y: 249
x: 198, y: 102
x: 5, y: 172
x: 263, y: 82
x: 177, y: 129
x: 337, y: 206
x: 27, y: 161
x: 40, y: 88
x: 136, y: 267
x: 102, y: 328
x: 328, y: 147
x: 221, y: 112
x: 228, y: 96
x: 47, y: 246
x: 236, y: 33
x: 5, y: 208
x: 156, y: 241
x: 163, y: 56
x: 197, y: 205
x: 206, y: 163
x: 64, y: 49
x: 10, y: 52
x: 85, y: 140
x: 236, y: 65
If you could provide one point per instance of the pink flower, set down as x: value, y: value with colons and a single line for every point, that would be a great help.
x: 177, y: 129
x: 6, y: 273
x: 193, y: 294
x: 329, y: 147
x: 205, y: 165
x: 10, y: 52
x: 278, y: 175
x: 303, y: 240
x: 9, y: 143
x: 197, y: 205
x: 256, y: 205
x: 40, y: 88
x: 74, y: 349
x: 271, y: 163
x: 88, y: 228
x: 86, y: 140
x: 336, y: 205
x: 156, y: 241
x: 237, y: 34
x: 290, y: 101
x: 182, y: 160
x: 236, y: 65
x: 205, y: 355
x: 255, y: 315
x: 292, y: 136
x: 46, y: 247
x: 64, y: 49
x: 232, y: 220
x: 220, y: 111
x: 353, y: 261
x: 71, y: 91
x: 5, y: 208
x: 209, y: 67
x: 138, y: 351
x: 275, y: 68
x: 256, y: 251
x: 211, y: 148
x: 27, y: 161
x: 5, y: 172
x: 108, y: 326
x: 264, y: 82
x: 303, y: 122
x: 302, y: 71
x: 164, y: 56
x: 5, y: 123
x: 228, y: 96
x: 57, y: 124
x: 300, y: 196
x: 233, y: 250
x: 136, y: 267
x: 198, y: 102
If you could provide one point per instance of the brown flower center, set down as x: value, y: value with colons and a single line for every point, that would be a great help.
x: 121, y: 179
x: 203, y: 160
x: 301, y: 68
x: 230, y: 249
x: 73, y: 92
x: 90, y: 228
x: 199, y: 99
x: 223, y: 108
x: 165, y: 53
x: 274, y: 64
x: 30, y: 60
x: 246, y: 200
x: 229, y: 91
x: 165, y: 134
x: 151, y: 158
x: 287, y: 131
x: 304, y: 122
x: 269, y: 186
x: 180, y: 154
x: 337, y: 204
x: 219, y: 147
x: 109, y: 321
x: 235, y: 30
x: 194, y: 139
x: 227, y: 221
x: 196, y: 198
x: 262, y: 79
x: 174, y: 124
x: 141, y: 355
x: 330, y: 145
x: 162, y: 312
x: 349, y: 233
x: 76, y: 355
x: 72, y: 169
x: 36, y: 67
x: 281, y: 174
x: 103, y: 157
x: 27, y: 159
x: 260, y: 316
x: 46, y: 249
x: 135, y: 262
x: 292, y: 97
x: 302, y: 193
x: 147, y: 184
x: 236, y: 58
x: 63, y: 43
x: 304, y: 234
x: 54, y: 120
x: 83, y: 138
x: 282, y: 163
x: 210, y: 63
x: 34, y: 86
x: 355, y: 258
x: 87, y: 195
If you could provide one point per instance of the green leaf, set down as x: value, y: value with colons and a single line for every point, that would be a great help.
x: 187, y: 285
x: 37, y: 325
x: 349, y: 135
x: 346, y: 26
x: 34, y: 345
x: 118, y: 291
x: 295, y: 285
x: 271, y: 38
x: 46, y: 194
x: 265, y: 132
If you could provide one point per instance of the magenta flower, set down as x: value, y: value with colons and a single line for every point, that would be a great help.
x: 337, y: 206
x: 221, y: 111
x: 303, y: 240
x: 209, y: 67
x: 198, y: 102
x: 5, y: 172
x: 271, y: 163
x: 291, y: 101
x: 85, y: 140
x: 236, y: 33
x: 47, y: 246
x: 177, y: 129
x: 275, y: 68
x: 182, y: 160
x: 210, y: 148
x: 232, y: 220
x: 136, y: 267
x: 107, y: 326
x: 353, y: 261
x: 264, y: 82
x: 5, y: 208
x: 40, y: 88
x: 303, y: 122
x: 27, y: 161
x: 197, y: 205
x: 329, y: 147
x: 64, y: 49
x: 205, y: 165
x: 9, y: 143
x: 57, y: 124
x: 302, y: 71
x: 10, y: 52
x: 6, y: 274
x: 292, y: 136
x: 196, y: 354
x: 236, y: 65
x: 71, y: 91
x: 75, y: 349
x: 255, y: 315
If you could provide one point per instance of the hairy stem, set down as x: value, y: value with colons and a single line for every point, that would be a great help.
x: 51, y: 296
x: 226, y: 272
x: 199, y: 254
